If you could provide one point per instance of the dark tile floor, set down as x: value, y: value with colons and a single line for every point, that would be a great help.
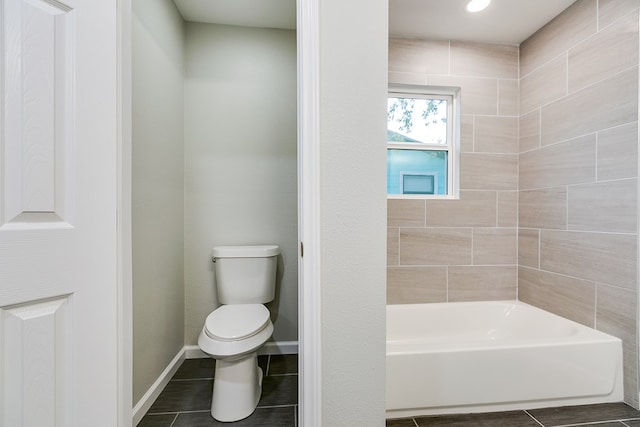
x: 186, y: 400
x: 602, y: 415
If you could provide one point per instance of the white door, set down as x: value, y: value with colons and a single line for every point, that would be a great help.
x: 58, y: 324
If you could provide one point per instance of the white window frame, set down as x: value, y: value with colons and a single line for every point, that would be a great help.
x: 452, y: 94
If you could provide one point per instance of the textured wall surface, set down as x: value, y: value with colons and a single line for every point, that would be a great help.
x: 240, y: 161
x: 157, y: 190
x: 352, y: 97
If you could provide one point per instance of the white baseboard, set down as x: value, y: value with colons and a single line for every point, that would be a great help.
x: 280, y: 347
x: 156, y: 388
x: 194, y: 352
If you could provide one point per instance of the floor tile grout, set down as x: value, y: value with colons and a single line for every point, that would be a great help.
x: 618, y: 413
x: 587, y: 423
x: 534, y: 418
x: 195, y: 376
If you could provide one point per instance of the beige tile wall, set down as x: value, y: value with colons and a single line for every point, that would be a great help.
x: 461, y: 250
x: 578, y: 215
x: 549, y: 177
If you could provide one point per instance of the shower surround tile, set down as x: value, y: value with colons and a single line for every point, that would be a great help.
x: 613, y: 210
x: 616, y: 99
x: 529, y: 131
x: 482, y: 60
x: 568, y: 297
x: 393, y: 245
x: 435, y: 246
x: 566, y: 163
x: 405, y: 213
x: 480, y: 94
x: 495, y: 246
x: 583, y: 255
x: 544, y: 85
x: 604, y: 54
x: 617, y: 315
x: 466, y: 134
x: 496, y: 134
x: 529, y: 248
x: 508, y: 97
x: 481, y: 283
x: 570, y: 191
x: 610, y: 10
x: 503, y: 167
x: 573, y: 25
x: 618, y: 152
x: 507, y: 209
x: 418, y: 56
x: 545, y: 208
x: 481, y: 224
x: 416, y: 285
x: 473, y: 209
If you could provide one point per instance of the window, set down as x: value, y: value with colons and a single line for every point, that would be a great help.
x: 423, y: 137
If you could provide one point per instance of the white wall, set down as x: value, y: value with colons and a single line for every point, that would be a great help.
x: 352, y: 75
x: 157, y: 189
x: 240, y: 160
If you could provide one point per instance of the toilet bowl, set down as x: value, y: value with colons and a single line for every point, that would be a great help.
x: 232, y: 335
x: 234, y: 332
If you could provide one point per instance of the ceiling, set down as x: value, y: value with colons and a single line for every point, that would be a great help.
x: 504, y: 21
x: 246, y: 13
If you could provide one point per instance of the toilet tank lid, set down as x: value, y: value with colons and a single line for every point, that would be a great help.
x: 250, y: 251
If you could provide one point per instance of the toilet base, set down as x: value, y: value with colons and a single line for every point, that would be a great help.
x: 237, y: 386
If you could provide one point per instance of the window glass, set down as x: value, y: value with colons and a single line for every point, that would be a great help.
x: 422, y: 141
x: 416, y: 120
x: 405, y: 165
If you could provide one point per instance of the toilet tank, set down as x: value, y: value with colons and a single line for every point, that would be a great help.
x: 246, y: 274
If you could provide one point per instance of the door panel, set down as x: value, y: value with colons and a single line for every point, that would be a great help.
x: 58, y: 302
x: 37, y: 352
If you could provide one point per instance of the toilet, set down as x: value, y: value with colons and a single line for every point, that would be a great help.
x: 233, y: 333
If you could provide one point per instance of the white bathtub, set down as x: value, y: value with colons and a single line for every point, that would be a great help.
x: 493, y: 356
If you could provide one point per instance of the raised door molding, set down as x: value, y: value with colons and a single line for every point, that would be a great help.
x: 37, y: 86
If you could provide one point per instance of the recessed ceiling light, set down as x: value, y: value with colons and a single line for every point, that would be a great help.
x: 477, y: 5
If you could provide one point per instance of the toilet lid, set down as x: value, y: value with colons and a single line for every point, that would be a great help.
x: 236, y: 321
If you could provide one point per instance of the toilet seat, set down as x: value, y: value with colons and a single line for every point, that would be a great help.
x: 235, y: 322
x: 235, y: 330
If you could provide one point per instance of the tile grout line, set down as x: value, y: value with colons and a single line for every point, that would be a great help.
x: 267, y: 367
x: 174, y: 420
x: 283, y: 375
x: 533, y: 418
x: 589, y: 423
x: 285, y: 405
